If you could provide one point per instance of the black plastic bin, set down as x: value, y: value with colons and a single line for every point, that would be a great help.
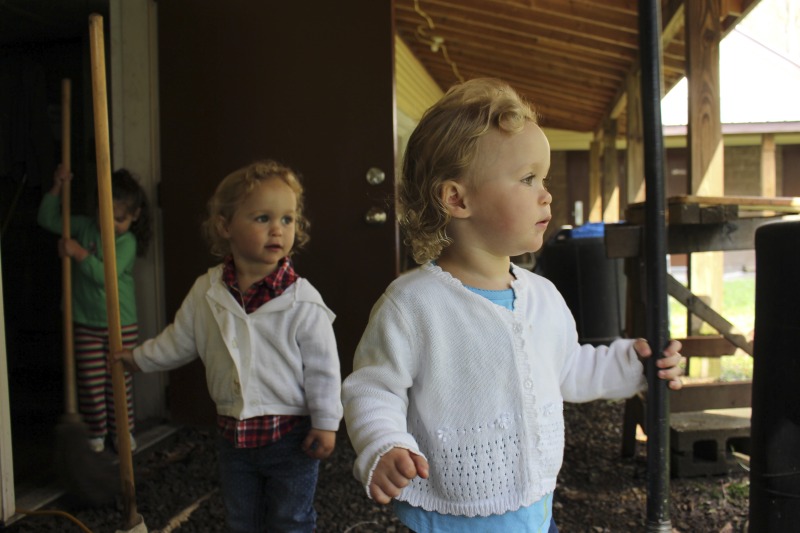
x: 592, y: 284
x: 775, y: 423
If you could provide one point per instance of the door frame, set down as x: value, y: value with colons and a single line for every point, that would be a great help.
x: 134, y: 141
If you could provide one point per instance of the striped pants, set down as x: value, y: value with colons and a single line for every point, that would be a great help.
x: 95, y: 390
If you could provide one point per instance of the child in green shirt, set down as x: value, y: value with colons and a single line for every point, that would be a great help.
x: 132, y: 229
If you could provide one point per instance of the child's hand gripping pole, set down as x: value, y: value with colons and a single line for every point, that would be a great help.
x: 134, y: 521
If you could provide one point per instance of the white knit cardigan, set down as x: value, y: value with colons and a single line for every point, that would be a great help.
x: 475, y: 388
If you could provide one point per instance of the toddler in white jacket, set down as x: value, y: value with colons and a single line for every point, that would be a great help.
x: 266, y: 339
x: 455, y: 403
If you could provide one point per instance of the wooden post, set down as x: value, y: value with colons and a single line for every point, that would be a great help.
x: 634, y: 155
x: 610, y: 172
x: 595, y: 210
x: 706, y: 154
x: 768, y: 172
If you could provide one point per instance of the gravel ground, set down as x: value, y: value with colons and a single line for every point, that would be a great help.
x: 598, y: 492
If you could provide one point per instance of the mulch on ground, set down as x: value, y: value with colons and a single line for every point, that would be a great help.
x: 598, y: 491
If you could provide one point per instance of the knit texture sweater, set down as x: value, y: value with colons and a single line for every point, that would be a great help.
x: 281, y: 359
x: 475, y: 388
x: 88, y: 276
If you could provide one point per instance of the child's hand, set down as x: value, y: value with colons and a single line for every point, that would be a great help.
x: 319, y: 443
x: 126, y: 356
x: 71, y: 248
x: 59, y: 177
x: 669, y: 365
x: 395, y: 471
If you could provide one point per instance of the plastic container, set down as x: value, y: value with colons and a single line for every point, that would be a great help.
x: 592, y: 284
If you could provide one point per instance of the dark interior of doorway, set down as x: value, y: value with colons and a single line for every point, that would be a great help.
x: 41, y: 42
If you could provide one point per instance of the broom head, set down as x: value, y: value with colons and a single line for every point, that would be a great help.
x: 87, y: 477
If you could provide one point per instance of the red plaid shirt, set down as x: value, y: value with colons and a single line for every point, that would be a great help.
x: 259, y: 430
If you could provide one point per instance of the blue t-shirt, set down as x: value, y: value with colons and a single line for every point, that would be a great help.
x: 503, y: 298
x: 535, y: 517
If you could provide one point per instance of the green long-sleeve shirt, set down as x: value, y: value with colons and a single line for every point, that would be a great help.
x: 88, y: 276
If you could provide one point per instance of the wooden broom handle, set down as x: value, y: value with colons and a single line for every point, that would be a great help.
x: 70, y: 391
x: 108, y: 238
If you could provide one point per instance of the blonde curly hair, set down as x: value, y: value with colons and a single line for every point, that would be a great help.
x: 233, y: 190
x: 442, y: 147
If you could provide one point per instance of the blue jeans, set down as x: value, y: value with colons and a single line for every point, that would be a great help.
x: 270, y: 487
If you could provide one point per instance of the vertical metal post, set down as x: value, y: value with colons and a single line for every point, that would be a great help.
x: 657, y: 326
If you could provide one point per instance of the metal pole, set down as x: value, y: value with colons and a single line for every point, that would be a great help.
x: 657, y: 326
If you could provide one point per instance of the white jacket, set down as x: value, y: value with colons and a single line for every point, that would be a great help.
x: 278, y: 360
x: 475, y: 388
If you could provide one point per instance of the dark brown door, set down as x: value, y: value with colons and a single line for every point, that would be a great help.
x: 307, y: 83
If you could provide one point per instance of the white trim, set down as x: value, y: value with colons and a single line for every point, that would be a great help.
x: 7, y: 497
x: 134, y: 101
x: 747, y: 128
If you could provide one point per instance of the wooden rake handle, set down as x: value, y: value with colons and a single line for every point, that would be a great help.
x: 108, y: 238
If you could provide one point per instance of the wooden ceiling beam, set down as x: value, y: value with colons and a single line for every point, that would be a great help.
x: 549, y: 19
x: 594, y: 12
x: 593, y: 99
x: 561, y: 54
x: 547, y: 96
x: 545, y: 64
x: 615, y: 44
x: 542, y: 85
x: 541, y: 66
x: 672, y: 23
x: 511, y: 40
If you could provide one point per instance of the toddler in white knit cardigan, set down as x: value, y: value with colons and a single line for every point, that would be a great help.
x: 455, y: 403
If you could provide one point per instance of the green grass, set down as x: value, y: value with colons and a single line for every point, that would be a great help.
x: 738, y: 308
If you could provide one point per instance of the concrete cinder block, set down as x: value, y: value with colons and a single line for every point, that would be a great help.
x: 702, y: 442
